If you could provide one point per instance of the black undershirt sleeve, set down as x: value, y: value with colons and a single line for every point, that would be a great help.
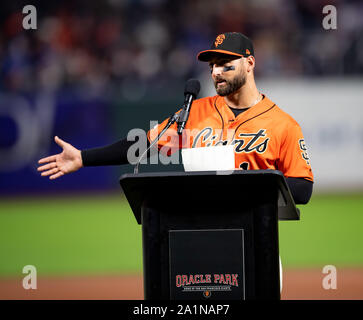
x: 113, y: 154
x: 116, y: 154
x: 301, y: 189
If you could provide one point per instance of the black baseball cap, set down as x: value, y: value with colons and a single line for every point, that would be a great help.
x: 229, y: 43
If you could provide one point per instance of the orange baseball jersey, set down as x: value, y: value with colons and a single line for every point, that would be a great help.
x: 264, y: 136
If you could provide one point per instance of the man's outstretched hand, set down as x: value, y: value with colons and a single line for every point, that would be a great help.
x: 68, y: 161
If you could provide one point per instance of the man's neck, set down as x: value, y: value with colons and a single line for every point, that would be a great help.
x: 246, y: 97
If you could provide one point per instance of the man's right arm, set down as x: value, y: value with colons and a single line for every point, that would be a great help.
x: 71, y: 159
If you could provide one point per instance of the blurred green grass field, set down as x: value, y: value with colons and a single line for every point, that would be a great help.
x: 84, y: 235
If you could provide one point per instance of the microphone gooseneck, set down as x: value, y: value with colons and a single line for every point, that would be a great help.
x: 172, y: 119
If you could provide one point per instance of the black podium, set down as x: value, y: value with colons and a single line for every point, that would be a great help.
x: 210, y: 235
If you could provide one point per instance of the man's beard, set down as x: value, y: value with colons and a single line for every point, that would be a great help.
x: 230, y: 86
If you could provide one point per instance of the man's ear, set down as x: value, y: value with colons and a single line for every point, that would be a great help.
x: 250, y: 63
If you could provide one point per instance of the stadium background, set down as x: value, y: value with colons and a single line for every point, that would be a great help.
x: 91, y: 71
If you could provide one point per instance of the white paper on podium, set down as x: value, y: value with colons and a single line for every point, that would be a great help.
x: 209, y: 158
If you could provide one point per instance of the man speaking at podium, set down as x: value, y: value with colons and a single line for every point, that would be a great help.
x: 264, y: 136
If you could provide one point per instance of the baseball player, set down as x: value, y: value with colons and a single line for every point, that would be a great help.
x: 264, y: 136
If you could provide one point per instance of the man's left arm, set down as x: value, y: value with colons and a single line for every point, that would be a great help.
x: 294, y: 163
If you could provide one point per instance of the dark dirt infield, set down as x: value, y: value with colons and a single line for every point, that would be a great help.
x: 304, y: 284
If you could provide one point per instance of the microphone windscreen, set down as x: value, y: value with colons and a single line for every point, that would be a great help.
x: 192, y: 86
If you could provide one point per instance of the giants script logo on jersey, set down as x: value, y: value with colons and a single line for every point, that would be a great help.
x: 245, y: 142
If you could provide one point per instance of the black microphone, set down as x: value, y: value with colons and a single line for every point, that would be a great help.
x: 191, y: 90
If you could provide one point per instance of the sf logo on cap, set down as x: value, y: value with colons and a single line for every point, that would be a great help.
x: 219, y: 40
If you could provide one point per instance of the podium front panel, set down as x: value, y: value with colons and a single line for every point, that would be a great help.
x: 207, y: 264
